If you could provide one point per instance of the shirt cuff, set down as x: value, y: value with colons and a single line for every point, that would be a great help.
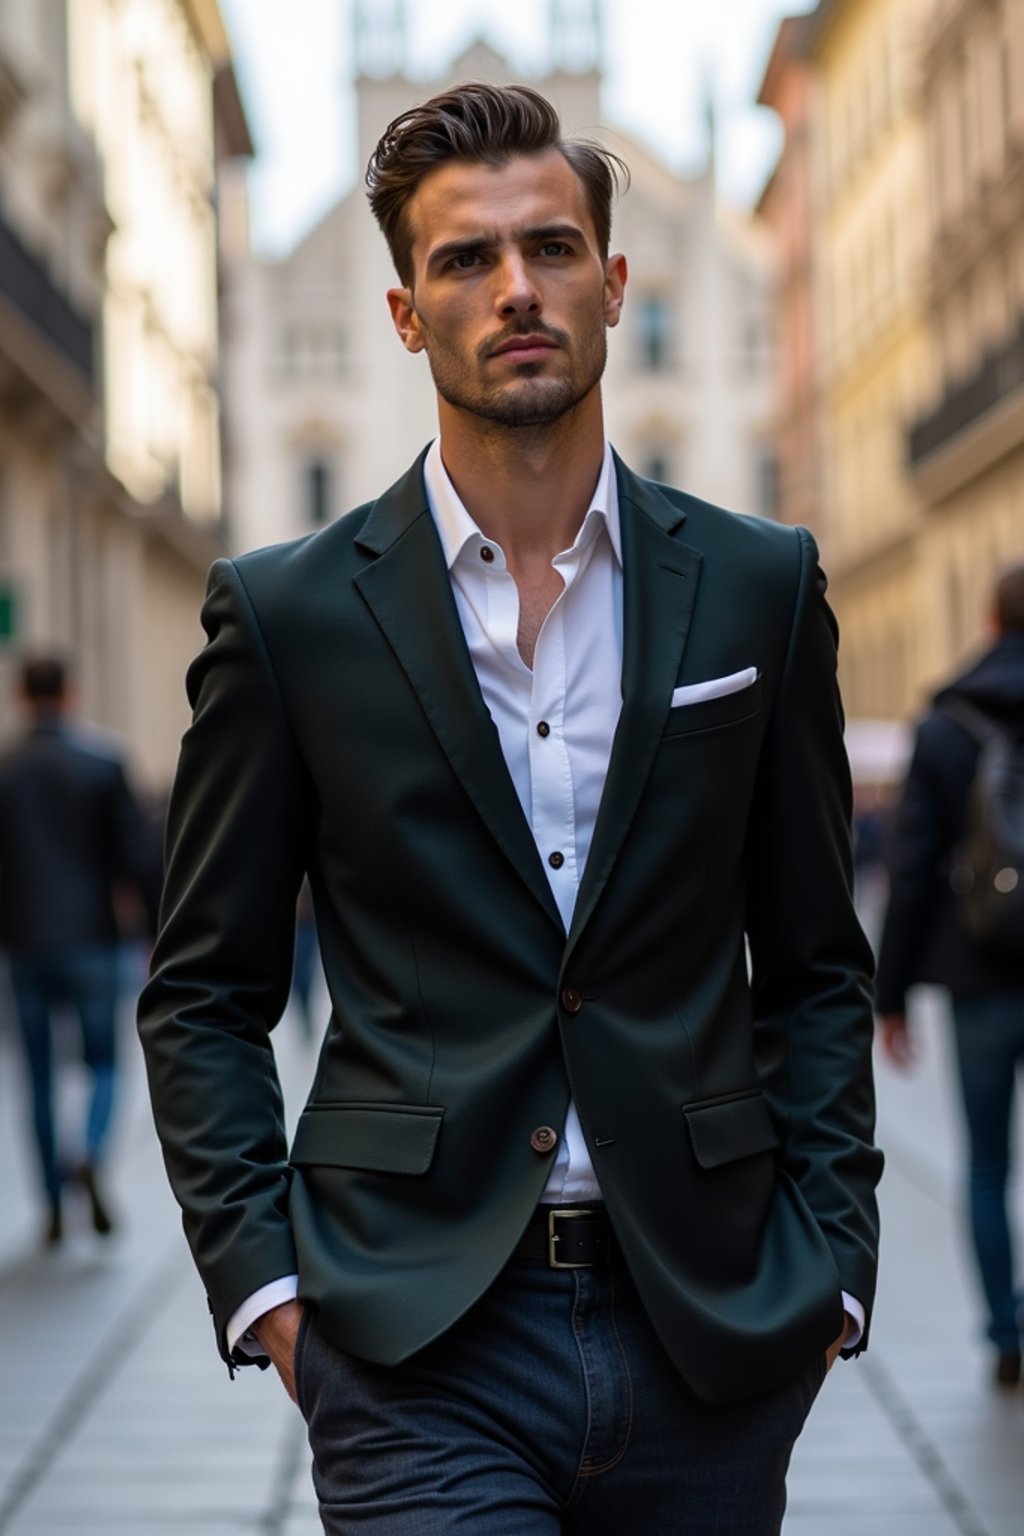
x: 853, y: 1308
x: 239, y: 1329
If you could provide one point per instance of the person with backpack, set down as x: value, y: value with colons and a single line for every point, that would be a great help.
x: 955, y: 919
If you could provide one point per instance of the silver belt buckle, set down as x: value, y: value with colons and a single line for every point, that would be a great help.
x: 553, y: 1238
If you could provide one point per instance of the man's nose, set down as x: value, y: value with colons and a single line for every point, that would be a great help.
x: 517, y: 293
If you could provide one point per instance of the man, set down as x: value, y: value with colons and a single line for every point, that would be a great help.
x: 924, y: 940
x: 71, y: 835
x: 573, y: 1205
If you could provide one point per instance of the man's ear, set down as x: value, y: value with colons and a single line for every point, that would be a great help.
x: 405, y: 319
x: 615, y: 275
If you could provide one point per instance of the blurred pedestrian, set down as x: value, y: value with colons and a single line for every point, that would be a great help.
x: 578, y: 1217
x: 927, y: 938
x: 71, y: 835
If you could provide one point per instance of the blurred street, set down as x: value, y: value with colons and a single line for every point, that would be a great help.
x: 116, y: 1414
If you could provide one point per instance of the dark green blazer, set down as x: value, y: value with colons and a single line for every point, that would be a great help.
x: 339, y: 728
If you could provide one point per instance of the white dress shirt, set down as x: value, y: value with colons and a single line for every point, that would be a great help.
x: 555, y: 722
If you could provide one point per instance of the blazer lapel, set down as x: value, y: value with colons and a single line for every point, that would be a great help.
x: 660, y: 576
x: 408, y: 590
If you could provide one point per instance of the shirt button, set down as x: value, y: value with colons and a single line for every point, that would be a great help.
x: 556, y: 860
x: 572, y: 1002
x: 487, y: 554
x: 543, y: 1139
x: 543, y: 729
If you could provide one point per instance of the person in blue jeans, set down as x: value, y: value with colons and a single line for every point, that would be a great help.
x: 72, y: 836
x: 924, y: 940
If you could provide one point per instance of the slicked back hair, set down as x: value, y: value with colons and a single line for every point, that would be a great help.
x: 488, y: 124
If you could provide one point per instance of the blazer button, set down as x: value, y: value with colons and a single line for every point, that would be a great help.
x: 572, y: 1002
x: 543, y: 1138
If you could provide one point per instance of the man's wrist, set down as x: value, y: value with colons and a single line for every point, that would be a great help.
x: 240, y: 1330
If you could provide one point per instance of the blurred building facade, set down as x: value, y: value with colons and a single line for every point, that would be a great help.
x: 966, y: 448
x: 787, y: 208
x: 327, y: 407
x: 905, y: 119
x: 871, y: 224
x: 113, y: 120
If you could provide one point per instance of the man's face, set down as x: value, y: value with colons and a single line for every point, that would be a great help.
x: 510, y: 295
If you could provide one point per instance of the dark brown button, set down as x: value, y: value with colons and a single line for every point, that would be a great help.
x: 543, y: 1139
x: 572, y: 1002
x: 487, y: 553
x: 556, y: 859
x: 543, y: 729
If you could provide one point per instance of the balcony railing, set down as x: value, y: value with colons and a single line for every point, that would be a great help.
x: 1000, y: 375
x: 25, y: 283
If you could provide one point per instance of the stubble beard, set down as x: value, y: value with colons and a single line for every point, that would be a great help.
x: 529, y: 398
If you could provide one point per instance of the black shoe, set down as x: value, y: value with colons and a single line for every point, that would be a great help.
x: 1007, y: 1371
x: 53, y: 1232
x: 102, y: 1221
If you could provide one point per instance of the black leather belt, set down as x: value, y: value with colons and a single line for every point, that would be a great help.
x: 567, y: 1237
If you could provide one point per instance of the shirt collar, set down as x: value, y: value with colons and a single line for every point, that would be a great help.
x: 457, y: 530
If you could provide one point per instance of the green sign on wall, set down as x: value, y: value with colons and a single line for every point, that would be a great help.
x: 8, y: 611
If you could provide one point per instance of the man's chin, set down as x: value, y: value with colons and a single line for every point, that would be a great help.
x: 531, y: 407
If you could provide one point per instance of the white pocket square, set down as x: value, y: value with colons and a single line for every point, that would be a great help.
x: 714, y: 688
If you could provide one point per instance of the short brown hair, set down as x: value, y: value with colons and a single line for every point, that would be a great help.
x: 487, y: 123
x: 1009, y: 601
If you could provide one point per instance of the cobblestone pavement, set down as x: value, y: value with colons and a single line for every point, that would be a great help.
x: 116, y: 1415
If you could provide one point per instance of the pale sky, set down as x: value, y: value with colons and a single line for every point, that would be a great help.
x: 294, y: 63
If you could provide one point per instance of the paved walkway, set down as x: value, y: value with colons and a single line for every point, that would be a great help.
x: 116, y: 1416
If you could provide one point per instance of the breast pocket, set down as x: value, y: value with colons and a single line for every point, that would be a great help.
x: 711, y: 714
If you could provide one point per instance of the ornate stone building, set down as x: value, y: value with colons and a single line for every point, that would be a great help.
x: 871, y: 234
x: 966, y: 447
x: 328, y: 409
x: 916, y: 138
x: 114, y: 116
x: 787, y: 207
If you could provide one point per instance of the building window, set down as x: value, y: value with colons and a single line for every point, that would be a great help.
x: 318, y: 493
x: 288, y: 351
x: 768, y: 485
x: 656, y: 465
x: 654, y: 328
x: 756, y: 343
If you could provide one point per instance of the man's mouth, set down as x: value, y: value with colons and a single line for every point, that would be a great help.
x: 525, y: 349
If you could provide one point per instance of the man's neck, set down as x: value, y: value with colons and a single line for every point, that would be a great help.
x: 527, y: 488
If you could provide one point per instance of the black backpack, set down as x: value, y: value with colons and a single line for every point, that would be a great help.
x: 987, y: 871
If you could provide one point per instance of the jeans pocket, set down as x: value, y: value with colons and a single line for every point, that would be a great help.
x: 298, y: 1355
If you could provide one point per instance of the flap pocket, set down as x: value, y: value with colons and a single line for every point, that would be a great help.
x: 724, y: 1130
x: 385, y: 1138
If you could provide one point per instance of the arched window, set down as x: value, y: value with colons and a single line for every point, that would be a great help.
x: 656, y: 465
x: 653, y: 332
x: 319, y: 492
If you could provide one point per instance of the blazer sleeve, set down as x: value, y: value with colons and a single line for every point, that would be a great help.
x: 222, y: 962
x: 810, y: 961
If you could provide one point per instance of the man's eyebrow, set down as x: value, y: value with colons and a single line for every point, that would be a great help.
x: 458, y: 248
x: 472, y: 244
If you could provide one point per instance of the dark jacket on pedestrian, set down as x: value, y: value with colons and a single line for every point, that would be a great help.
x: 71, y: 832
x: 922, y: 939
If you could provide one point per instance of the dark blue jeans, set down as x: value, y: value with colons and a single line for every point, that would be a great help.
x: 990, y: 1052
x: 551, y: 1407
x: 83, y: 978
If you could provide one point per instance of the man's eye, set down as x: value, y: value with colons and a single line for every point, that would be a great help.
x: 464, y: 260
x: 554, y: 248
